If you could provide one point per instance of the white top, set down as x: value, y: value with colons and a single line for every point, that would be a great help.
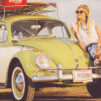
x: 83, y: 35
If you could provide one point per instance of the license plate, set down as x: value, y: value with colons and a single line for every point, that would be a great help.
x: 82, y: 75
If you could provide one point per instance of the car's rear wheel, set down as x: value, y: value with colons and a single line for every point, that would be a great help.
x: 94, y: 90
x: 22, y: 88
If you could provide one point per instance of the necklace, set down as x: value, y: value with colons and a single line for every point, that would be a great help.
x: 84, y: 27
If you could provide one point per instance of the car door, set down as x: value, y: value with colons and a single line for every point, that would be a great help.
x: 6, y: 52
x: 3, y: 51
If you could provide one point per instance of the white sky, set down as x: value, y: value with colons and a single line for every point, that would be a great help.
x: 67, y: 9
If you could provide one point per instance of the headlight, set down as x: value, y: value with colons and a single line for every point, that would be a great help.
x: 42, y: 61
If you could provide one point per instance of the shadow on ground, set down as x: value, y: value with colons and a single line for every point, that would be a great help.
x: 57, y: 94
x: 8, y: 97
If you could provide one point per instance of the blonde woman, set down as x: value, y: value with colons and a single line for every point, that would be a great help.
x: 87, y: 33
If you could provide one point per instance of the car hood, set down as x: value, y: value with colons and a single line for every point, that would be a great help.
x: 59, y: 50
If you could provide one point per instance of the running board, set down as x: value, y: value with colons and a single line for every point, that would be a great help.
x: 7, y: 90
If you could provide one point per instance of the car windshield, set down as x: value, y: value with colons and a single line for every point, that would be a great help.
x: 39, y: 28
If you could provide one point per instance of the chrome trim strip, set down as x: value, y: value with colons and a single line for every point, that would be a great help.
x: 71, y: 68
x: 55, y: 78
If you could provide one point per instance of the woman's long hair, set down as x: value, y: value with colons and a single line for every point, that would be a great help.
x: 87, y: 11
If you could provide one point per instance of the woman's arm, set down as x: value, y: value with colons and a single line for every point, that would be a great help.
x: 98, y: 51
x: 99, y: 36
x: 74, y: 32
x: 82, y: 45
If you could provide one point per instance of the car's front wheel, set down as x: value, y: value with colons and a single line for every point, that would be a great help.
x: 94, y: 90
x: 22, y: 89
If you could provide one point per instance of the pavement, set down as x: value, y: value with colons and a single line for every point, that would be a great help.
x: 75, y: 93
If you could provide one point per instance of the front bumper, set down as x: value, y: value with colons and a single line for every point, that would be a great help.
x: 65, y: 77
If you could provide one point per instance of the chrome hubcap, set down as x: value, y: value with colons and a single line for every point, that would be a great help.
x: 18, y: 83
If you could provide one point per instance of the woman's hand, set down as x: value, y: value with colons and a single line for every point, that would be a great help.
x: 97, y: 51
x: 82, y: 45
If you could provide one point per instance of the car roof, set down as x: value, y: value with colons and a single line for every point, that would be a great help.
x: 14, y: 18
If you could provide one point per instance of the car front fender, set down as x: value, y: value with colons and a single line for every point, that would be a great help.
x: 27, y: 60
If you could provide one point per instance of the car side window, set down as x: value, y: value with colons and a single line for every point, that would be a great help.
x: 60, y: 31
x: 3, y: 34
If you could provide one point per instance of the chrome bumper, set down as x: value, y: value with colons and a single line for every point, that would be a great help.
x: 63, y: 77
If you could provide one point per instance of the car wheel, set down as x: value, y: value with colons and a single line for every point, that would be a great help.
x: 22, y: 89
x: 94, y: 90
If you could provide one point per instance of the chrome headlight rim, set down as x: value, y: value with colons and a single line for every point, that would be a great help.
x: 40, y: 65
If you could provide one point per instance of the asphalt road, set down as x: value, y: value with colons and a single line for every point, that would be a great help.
x: 77, y: 93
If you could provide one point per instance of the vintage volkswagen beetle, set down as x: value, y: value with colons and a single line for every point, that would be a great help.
x: 40, y: 49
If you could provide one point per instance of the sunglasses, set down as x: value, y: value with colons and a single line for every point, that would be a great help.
x: 80, y: 12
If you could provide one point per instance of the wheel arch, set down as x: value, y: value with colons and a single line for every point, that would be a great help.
x: 29, y: 87
x: 11, y: 67
x: 26, y: 65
